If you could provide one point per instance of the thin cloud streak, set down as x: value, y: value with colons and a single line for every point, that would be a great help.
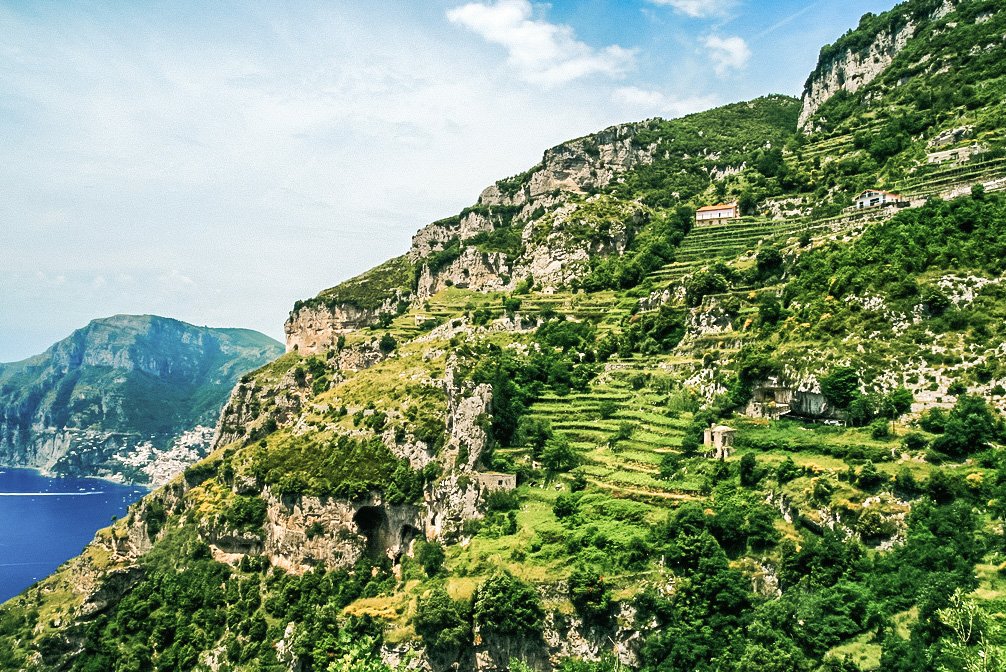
x: 543, y: 52
x: 785, y: 22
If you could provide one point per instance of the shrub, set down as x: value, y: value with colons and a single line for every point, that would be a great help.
x: 607, y: 409
x: 915, y: 441
x: 559, y: 455
x: 749, y: 473
x: 623, y: 433
x: 245, y: 513
x: 430, y: 556
x: 387, y: 344
x: 590, y: 596
x: 502, y: 500
x: 879, y: 429
x: 533, y: 432
x: 969, y: 428
x: 869, y: 478
x: 840, y: 386
x: 787, y: 470
x: 897, y: 403
x: 566, y: 504
x: 443, y: 623
x: 505, y: 606
x: 315, y: 529
x: 905, y: 484
x: 669, y: 465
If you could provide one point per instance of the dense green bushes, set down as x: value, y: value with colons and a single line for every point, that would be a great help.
x: 505, y: 606
x: 444, y: 624
x: 339, y: 466
x: 368, y: 291
x: 245, y: 513
x: 185, y: 603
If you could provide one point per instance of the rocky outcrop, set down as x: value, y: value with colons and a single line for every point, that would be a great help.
x: 306, y: 532
x: 578, y: 166
x: 474, y: 269
x: 454, y: 498
x: 548, y: 252
x: 849, y: 66
x: 434, y: 237
x: 315, y: 327
x: 851, y: 71
x: 253, y: 400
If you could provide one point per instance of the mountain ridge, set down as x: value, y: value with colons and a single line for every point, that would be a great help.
x: 468, y: 459
x: 118, y: 392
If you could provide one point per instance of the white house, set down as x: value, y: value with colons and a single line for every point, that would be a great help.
x: 873, y: 199
x: 719, y: 439
x: 711, y: 214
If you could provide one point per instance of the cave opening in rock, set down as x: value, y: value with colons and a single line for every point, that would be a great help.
x: 405, y: 537
x: 372, y: 523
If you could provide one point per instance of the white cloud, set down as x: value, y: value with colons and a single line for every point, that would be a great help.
x: 543, y: 52
x: 306, y: 143
x: 728, y: 53
x: 647, y: 102
x: 698, y: 8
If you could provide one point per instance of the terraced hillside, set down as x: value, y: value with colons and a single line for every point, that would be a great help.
x: 489, y: 453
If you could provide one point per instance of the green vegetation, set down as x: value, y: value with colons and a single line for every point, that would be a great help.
x: 367, y: 291
x: 137, y: 378
x: 843, y: 530
x: 742, y: 129
x: 186, y: 601
x: 339, y: 466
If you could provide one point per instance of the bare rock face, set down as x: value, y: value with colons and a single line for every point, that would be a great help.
x: 578, y: 166
x: 434, y: 237
x: 306, y: 532
x: 552, y: 258
x: 315, y: 328
x: 475, y: 270
x: 281, y: 400
x: 852, y: 71
x: 454, y: 498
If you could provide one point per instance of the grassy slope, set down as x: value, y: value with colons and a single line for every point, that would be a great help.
x: 626, y: 497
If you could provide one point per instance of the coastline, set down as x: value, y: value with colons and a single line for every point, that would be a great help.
x: 45, y: 473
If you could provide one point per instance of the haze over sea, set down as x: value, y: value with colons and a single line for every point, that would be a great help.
x: 45, y: 521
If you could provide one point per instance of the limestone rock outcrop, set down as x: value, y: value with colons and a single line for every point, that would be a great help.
x: 852, y: 71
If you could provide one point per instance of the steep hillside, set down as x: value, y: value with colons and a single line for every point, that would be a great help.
x: 572, y: 430
x: 912, y: 99
x: 130, y: 397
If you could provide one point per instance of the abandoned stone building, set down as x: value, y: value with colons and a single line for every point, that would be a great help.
x: 490, y: 480
x: 719, y: 441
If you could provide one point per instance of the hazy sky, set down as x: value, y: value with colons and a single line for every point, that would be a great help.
x: 215, y: 161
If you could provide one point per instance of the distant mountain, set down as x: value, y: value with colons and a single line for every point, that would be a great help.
x: 131, y: 397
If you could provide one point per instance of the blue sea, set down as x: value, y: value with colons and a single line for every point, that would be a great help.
x: 46, y: 521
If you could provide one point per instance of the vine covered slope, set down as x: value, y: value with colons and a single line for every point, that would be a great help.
x: 569, y: 429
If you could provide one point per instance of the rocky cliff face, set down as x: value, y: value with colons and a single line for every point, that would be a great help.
x: 315, y: 329
x: 538, y: 207
x: 577, y: 166
x: 858, y: 59
x: 852, y: 71
x: 123, y: 397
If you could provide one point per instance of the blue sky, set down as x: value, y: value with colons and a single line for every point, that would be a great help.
x: 214, y: 162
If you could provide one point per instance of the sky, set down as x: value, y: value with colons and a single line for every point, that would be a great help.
x: 216, y: 161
